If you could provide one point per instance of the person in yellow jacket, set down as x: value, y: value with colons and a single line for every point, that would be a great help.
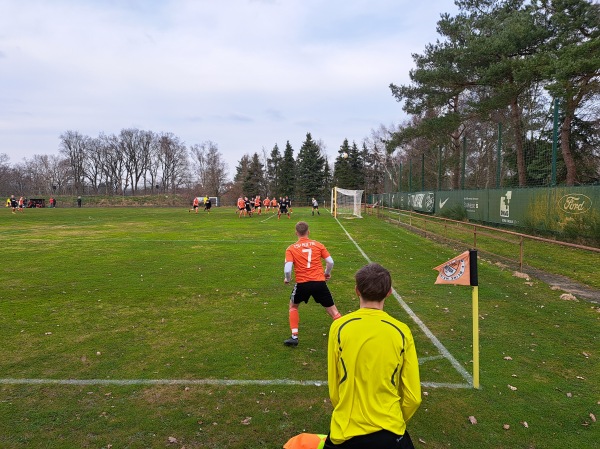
x: 373, y: 371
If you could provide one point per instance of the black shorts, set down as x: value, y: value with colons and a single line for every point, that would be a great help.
x: 208, y: 205
x: 383, y: 439
x: 317, y: 289
x: 283, y: 210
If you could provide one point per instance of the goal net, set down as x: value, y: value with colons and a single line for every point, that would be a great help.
x: 346, y: 203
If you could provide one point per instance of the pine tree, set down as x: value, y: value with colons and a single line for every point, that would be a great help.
x: 274, y: 163
x: 342, y: 170
x: 288, y: 173
x: 254, y: 183
x: 310, y: 166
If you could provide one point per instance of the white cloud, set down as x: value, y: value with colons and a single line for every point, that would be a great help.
x: 245, y: 74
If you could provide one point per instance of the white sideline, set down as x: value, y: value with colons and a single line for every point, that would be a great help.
x: 443, y: 351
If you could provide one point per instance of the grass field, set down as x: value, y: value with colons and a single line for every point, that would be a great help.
x: 155, y: 327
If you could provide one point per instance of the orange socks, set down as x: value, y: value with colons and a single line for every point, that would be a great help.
x: 294, y: 321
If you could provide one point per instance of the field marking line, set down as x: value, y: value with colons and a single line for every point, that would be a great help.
x: 441, y: 348
x: 123, y: 382
x: 188, y: 382
x: 272, y: 215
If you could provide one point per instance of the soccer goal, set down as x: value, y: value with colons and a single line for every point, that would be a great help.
x: 346, y: 203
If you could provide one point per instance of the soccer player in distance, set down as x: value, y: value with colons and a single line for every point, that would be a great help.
x: 304, y: 258
x: 373, y: 371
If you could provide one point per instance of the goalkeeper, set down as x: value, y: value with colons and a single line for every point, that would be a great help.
x: 304, y: 257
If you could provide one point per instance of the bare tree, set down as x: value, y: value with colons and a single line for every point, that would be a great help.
x: 113, y: 163
x: 74, y: 146
x: 210, y: 168
x: 135, y: 145
x: 173, y: 161
x: 94, y: 166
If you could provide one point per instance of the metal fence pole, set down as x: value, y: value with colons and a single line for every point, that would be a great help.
x: 499, y: 155
x: 464, y: 162
x: 554, y: 142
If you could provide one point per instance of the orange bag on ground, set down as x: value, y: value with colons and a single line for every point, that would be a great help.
x: 306, y: 441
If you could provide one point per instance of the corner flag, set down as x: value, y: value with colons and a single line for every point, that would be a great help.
x: 462, y: 270
x: 456, y: 271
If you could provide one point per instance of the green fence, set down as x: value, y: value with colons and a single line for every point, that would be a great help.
x: 574, y: 211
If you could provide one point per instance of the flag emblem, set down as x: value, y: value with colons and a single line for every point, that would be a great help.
x: 455, y: 271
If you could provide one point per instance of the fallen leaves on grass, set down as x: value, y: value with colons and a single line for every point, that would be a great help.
x: 525, y: 424
x: 506, y: 426
x: 472, y: 420
x: 568, y: 297
x: 247, y: 420
x: 512, y: 388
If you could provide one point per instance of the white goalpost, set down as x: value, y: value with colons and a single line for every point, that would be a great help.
x: 346, y: 203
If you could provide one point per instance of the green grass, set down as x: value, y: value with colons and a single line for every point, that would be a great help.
x: 577, y: 264
x: 157, y: 293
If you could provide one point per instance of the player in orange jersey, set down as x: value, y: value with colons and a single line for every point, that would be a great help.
x: 304, y: 257
x: 241, y: 204
x: 195, y: 205
x: 257, y: 204
x: 267, y: 204
x: 274, y: 205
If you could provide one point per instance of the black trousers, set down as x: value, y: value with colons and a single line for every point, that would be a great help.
x: 383, y: 439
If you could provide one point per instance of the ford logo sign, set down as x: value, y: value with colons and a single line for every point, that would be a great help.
x: 575, y: 203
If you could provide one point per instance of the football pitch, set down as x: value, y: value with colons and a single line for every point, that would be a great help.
x: 156, y: 327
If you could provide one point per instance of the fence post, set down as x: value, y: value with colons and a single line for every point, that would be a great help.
x: 554, y: 142
x: 521, y: 254
x: 423, y: 172
x: 439, y: 183
x: 464, y: 162
x: 499, y: 155
x: 400, y: 177
x: 410, y: 175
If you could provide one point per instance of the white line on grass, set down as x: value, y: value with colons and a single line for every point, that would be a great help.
x: 443, y: 351
x: 186, y: 382
x: 123, y: 382
x: 272, y: 215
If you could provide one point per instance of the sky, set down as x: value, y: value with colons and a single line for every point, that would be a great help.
x: 244, y: 74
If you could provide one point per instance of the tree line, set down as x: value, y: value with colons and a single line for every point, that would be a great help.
x: 136, y: 161
x: 132, y: 162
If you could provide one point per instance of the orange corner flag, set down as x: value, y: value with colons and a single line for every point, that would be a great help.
x: 456, y: 271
